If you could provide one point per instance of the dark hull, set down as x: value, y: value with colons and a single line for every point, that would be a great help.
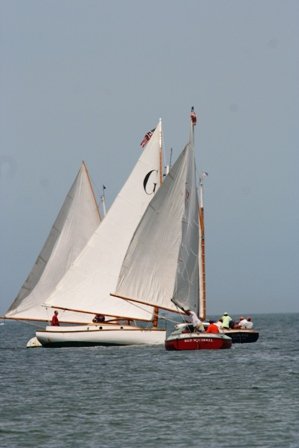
x: 242, y: 336
x: 197, y: 342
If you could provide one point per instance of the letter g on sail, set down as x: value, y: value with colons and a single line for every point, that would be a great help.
x: 149, y: 184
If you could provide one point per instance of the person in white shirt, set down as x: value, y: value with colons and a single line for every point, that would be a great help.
x: 195, y: 321
x: 219, y: 324
x: 242, y: 323
x: 245, y: 324
x: 249, y: 323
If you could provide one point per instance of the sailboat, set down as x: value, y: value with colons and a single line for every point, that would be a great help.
x: 76, y: 221
x: 161, y: 267
x: 237, y: 335
x: 86, y: 285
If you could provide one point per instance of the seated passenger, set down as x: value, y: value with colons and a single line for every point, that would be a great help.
x: 98, y: 318
x: 212, y: 328
x: 242, y: 324
x: 219, y: 324
x: 249, y: 324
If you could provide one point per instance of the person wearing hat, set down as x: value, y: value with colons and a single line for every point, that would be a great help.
x: 226, y: 321
x: 55, y: 321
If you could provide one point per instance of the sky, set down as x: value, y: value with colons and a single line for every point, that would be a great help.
x: 84, y: 80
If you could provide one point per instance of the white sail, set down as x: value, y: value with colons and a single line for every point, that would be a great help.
x: 161, y: 264
x: 93, y: 276
x: 77, y: 220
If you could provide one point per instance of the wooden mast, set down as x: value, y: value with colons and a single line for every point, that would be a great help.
x: 202, y: 293
x: 156, y: 309
x: 202, y: 263
x: 202, y: 283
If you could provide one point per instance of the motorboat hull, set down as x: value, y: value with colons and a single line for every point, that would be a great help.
x: 198, y: 341
x: 99, y: 335
x: 239, y: 336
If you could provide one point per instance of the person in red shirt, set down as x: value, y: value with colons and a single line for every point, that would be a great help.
x: 55, y: 321
x: 212, y: 328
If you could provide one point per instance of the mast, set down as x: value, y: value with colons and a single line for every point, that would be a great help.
x: 202, y: 264
x: 201, y: 298
x: 156, y: 309
x: 167, y: 168
x: 161, y: 150
x: 91, y: 188
x: 103, y: 199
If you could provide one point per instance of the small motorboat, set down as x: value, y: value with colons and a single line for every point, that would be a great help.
x: 185, y: 337
x: 240, y: 336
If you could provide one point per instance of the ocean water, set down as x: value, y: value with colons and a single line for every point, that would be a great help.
x: 120, y: 397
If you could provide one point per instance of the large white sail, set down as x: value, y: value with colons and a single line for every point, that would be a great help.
x: 77, y: 220
x: 161, y: 264
x: 93, y: 276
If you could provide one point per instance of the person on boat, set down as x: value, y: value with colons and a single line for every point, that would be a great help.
x: 55, y: 321
x: 227, y: 321
x: 195, y: 321
x: 242, y: 323
x: 245, y: 324
x: 249, y: 323
x: 98, y: 318
x: 219, y: 324
x: 212, y: 328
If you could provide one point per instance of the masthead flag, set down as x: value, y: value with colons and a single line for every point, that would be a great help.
x: 193, y: 116
x: 147, y: 137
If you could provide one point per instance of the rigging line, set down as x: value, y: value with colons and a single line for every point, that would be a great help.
x: 168, y: 319
x: 176, y: 322
x: 33, y: 324
x: 172, y: 320
x: 137, y: 306
x: 143, y: 309
x: 182, y: 317
x: 96, y: 189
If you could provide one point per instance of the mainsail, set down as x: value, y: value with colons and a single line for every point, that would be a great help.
x: 87, y: 285
x: 77, y: 220
x: 161, y: 265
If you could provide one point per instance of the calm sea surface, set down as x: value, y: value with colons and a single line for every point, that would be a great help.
x: 147, y: 397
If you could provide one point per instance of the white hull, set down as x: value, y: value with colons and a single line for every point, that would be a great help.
x: 91, y: 335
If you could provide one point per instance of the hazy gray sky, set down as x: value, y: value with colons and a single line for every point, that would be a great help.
x: 84, y: 80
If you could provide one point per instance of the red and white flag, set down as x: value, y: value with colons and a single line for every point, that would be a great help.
x: 147, y: 138
x: 193, y: 116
